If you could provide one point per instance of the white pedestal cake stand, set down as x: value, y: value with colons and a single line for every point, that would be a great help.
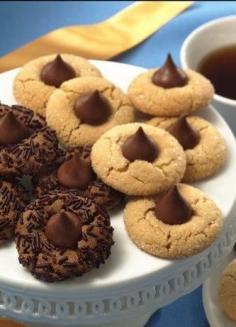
x: 132, y: 284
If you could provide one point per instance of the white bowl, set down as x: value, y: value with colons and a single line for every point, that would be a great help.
x: 202, y: 41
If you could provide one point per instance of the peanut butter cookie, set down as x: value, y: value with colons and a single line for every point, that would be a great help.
x: 170, y: 91
x: 204, y: 147
x: 138, y: 159
x: 176, y: 224
x: 84, y: 108
x: 38, y: 78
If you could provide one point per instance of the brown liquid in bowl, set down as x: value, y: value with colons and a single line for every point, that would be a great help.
x: 220, y: 68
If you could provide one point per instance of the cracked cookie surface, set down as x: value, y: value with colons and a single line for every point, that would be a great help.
x: 173, y: 241
x: 70, y: 130
x: 158, y: 101
x: 31, y: 92
x: 208, y: 156
x: 138, y: 177
x: 227, y: 290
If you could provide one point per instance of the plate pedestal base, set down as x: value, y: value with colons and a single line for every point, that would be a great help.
x: 138, y: 321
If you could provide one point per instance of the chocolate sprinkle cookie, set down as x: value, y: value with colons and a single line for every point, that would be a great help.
x: 62, y: 235
x: 84, y: 152
x: 13, y: 200
x: 27, y: 145
x: 93, y: 188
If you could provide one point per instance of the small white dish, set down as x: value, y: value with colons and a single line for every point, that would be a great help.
x: 214, y: 313
x: 205, y: 39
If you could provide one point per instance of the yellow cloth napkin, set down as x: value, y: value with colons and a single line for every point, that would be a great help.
x: 104, y: 40
x: 9, y: 323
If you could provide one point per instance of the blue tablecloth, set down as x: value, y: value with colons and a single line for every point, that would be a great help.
x: 21, y: 22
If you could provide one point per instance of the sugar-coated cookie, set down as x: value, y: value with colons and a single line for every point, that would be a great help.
x: 38, y: 78
x: 84, y: 108
x: 170, y: 91
x: 61, y: 235
x: 204, y: 147
x: 176, y: 224
x: 138, y: 159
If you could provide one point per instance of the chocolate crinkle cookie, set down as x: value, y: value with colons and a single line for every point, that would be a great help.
x: 13, y: 199
x: 62, y: 235
x: 27, y: 145
x: 74, y: 173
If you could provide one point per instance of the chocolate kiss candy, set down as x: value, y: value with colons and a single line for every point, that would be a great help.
x: 172, y: 209
x: 92, y: 108
x: 140, y: 147
x: 56, y: 72
x: 64, y: 230
x: 12, y: 130
x: 184, y: 133
x: 169, y: 75
x: 75, y: 173
x: 234, y: 247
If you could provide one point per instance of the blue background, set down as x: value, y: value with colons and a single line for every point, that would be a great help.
x: 21, y: 22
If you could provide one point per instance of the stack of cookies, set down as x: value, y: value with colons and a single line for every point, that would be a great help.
x: 148, y: 161
x: 86, y: 154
